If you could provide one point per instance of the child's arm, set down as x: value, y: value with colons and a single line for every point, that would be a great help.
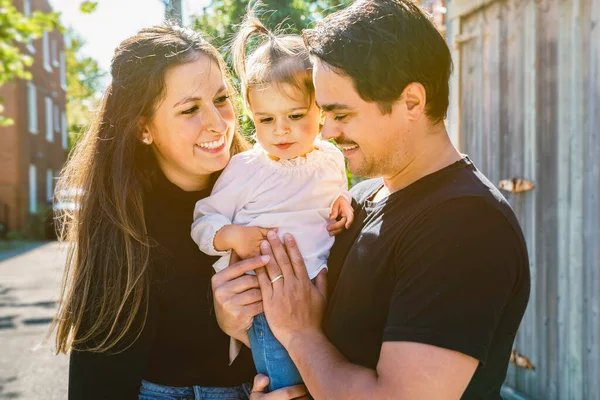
x: 211, y: 216
x: 218, y: 210
x: 213, y: 228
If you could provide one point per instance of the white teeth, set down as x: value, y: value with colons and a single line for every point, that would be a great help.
x: 348, y: 148
x: 212, y: 145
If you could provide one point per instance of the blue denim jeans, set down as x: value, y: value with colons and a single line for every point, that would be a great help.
x: 270, y: 357
x: 152, y: 391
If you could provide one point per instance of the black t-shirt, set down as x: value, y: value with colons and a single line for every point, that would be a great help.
x: 181, y: 343
x: 441, y: 262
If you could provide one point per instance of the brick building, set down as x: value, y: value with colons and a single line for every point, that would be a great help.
x: 34, y: 149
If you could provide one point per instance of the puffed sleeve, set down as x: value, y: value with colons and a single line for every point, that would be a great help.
x: 217, y: 210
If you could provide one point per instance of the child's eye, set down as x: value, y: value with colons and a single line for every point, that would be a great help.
x: 190, y: 110
x: 340, y: 117
x: 222, y: 99
x: 295, y: 117
x: 265, y: 120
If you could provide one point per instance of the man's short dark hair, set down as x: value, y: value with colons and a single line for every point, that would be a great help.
x: 384, y: 45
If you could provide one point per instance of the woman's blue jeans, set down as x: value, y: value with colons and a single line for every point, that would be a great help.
x: 270, y: 357
x: 152, y: 391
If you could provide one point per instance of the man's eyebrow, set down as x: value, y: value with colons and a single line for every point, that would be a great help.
x: 333, y: 107
x: 196, y: 98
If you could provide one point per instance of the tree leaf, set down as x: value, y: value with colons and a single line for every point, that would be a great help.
x: 88, y: 7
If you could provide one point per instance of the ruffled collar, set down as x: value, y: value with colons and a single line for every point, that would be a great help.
x: 315, y: 156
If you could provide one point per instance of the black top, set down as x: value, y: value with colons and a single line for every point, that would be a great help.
x: 181, y: 344
x: 441, y: 262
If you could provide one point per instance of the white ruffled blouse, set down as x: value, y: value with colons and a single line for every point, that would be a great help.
x: 293, y: 195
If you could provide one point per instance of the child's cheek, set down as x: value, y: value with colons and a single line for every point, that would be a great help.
x: 309, y: 128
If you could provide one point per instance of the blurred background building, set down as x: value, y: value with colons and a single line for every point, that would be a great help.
x: 34, y: 148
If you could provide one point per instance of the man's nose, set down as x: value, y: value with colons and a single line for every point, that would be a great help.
x: 329, y: 130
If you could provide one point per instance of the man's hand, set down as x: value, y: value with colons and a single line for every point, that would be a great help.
x: 260, y: 384
x: 343, y: 209
x: 237, y: 297
x: 244, y: 240
x: 292, y: 304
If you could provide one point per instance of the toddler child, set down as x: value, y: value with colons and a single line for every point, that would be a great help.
x: 290, y: 181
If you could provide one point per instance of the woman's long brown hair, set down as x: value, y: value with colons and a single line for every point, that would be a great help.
x: 106, y: 283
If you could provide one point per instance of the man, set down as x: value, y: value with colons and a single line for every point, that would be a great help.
x: 429, y: 285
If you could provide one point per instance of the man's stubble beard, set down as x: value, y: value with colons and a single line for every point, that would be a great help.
x: 368, y: 168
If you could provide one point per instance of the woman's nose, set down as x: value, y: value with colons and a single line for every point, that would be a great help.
x: 214, y: 121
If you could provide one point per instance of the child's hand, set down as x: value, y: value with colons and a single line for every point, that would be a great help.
x: 244, y: 240
x: 341, y: 208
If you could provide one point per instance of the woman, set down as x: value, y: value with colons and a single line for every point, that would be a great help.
x: 136, y: 309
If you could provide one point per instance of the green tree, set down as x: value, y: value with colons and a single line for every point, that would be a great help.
x: 16, y: 30
x: 220, y: 19
x: 84, y: 81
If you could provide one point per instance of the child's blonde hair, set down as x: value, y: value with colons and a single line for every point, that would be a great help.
x: 281, y: 59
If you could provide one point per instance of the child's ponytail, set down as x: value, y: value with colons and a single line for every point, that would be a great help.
x: 278, y: 59
x: 251, y: 26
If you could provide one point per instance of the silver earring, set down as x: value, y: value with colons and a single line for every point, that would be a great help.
x: 146, y: 140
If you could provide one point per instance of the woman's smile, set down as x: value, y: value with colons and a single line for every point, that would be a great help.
x: 213, y: 147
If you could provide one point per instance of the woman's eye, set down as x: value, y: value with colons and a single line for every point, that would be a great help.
x: 221, y: 100
x: 295, y: 117
x: 340, y: 117
x: 190, y: 110
x: 265, y: 120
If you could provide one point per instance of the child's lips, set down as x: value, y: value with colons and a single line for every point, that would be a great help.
x: 284, y: 146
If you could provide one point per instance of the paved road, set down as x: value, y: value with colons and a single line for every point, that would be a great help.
x: 29, y: 284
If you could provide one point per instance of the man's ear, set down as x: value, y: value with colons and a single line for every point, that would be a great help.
x: 415, y: 98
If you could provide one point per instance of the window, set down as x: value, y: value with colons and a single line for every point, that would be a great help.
x: 30, y: 46
x: 27, y: 13
x: 49, y: 131
x: 46, y: 51
x: 63, y: 71
x: 56, y: 119
x: 49, y: 185
x: 32, y: 189
x: 65, y: 142
x: 27, y: 8
x: 32, y: 116
x: 54, y: 53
